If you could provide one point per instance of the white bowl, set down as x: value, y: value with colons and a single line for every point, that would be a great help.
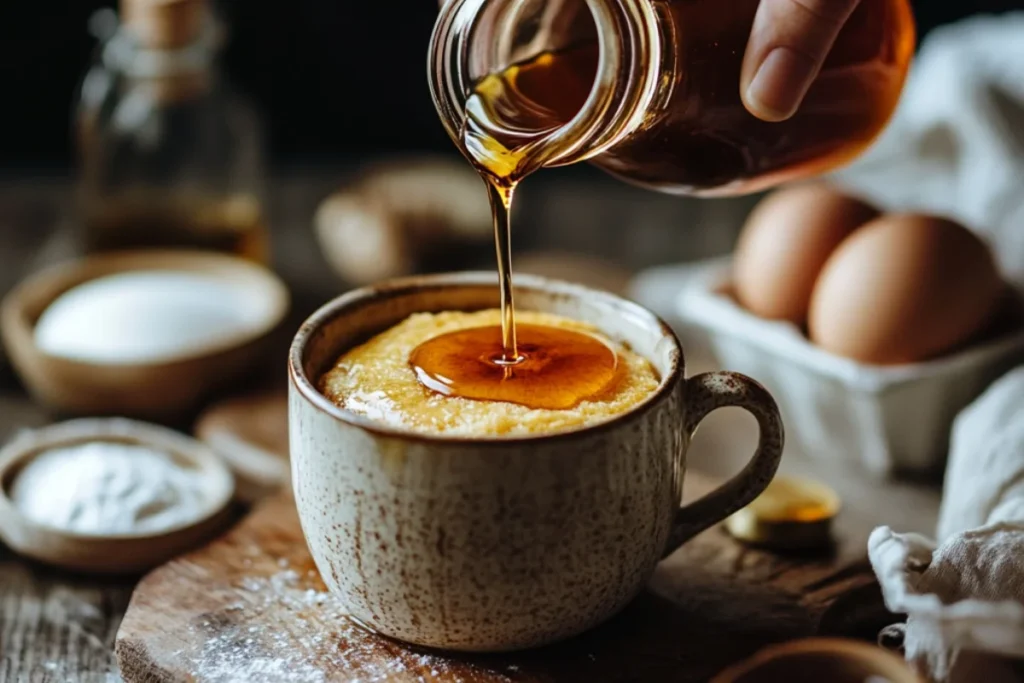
x: 891, y: 418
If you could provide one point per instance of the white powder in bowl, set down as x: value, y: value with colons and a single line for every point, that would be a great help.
x: 107, y: 488
x: 145, y: 317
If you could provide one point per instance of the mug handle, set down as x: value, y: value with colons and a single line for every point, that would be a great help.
x: 704, y: 394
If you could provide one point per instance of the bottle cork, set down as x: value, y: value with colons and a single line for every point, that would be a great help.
x: 164, y: 24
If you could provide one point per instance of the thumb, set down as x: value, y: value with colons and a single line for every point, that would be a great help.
x: 788, y: 44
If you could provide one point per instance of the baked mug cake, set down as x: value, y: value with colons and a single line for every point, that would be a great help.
x: 487, y: 525
x: 379, y: 380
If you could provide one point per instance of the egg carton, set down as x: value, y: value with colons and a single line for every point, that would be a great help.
x: 889, y: 418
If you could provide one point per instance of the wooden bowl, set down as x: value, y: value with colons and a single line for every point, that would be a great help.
x: 817, y: 660
x: 250, y: 433
x: 118, y: 553
x: 164, y: 390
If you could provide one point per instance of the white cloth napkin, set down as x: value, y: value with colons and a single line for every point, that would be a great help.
x: 956, y: 147
x: 956, y: 143
x: 965, y: 592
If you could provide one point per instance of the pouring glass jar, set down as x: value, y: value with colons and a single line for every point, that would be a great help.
x: 648, y: 90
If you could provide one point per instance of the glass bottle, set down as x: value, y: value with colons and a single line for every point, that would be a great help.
x: 648, y: 90
x: 169, y: 157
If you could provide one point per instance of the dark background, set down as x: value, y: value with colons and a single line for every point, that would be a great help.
x: 334, y: 79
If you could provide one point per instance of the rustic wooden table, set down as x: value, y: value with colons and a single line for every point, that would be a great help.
x: 57, y: 628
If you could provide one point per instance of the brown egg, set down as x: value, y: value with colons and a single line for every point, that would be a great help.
x: 904, y: 288
x: 784, y: 244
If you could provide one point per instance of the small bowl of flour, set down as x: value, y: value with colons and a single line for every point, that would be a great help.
x: 110, y: 495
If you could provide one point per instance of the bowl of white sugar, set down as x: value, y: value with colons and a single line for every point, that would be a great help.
x: 140, y: 334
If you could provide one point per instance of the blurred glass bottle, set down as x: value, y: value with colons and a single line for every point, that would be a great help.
x: 168, y: 156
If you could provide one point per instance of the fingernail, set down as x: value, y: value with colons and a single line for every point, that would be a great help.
x: 780, y: 84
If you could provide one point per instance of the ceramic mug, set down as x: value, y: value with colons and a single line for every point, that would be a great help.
x: 502, y: 543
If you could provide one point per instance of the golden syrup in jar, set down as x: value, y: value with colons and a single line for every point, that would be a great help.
x: 699, y: 138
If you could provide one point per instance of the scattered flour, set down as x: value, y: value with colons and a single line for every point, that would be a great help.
x: 290, y: 644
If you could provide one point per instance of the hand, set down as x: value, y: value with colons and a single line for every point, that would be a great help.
x: 788, y: 44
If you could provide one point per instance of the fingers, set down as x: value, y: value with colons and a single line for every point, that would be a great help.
x: 788, y: 44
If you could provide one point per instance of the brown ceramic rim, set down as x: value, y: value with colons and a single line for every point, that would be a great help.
x: 844, y: 647
x: 23, y: 448
x: 67, y: 275
x: 401, y: 286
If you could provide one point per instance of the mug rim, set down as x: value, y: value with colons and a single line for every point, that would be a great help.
x: 396, y: 287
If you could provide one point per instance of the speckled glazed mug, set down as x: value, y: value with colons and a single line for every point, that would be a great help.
x: 497, y: 543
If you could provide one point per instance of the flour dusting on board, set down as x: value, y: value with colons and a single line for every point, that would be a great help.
x: 297, y: 648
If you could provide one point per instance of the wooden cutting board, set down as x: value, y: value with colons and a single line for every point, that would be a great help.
x: 250, y: 607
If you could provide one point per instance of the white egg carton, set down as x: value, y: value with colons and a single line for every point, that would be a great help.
x: 890, y: 418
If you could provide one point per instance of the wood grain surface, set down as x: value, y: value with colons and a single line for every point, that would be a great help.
x: 251, y: 607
